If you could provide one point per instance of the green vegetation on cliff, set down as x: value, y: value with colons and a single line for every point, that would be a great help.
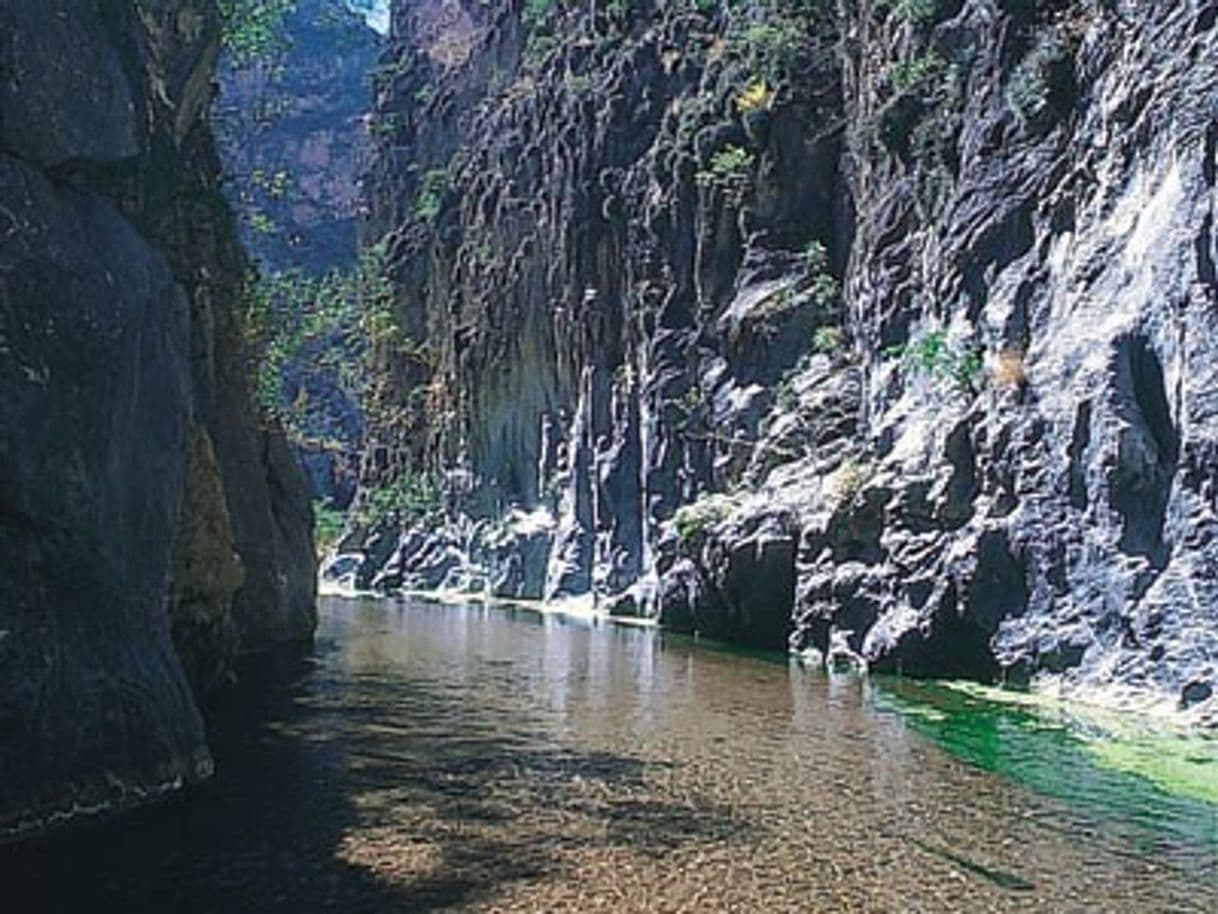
x: 334, y: 323
x: 253, y: 30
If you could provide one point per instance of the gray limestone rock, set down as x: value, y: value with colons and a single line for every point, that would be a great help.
x: 957, y: 332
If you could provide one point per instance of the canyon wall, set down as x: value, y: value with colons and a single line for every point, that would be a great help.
x: 292, y: 134
x: 151, y: 525
x: 878, y: 331
x: 298, y: 115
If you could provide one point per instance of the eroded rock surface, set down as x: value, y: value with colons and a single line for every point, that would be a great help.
x: 936, y: 290
x: 150, y: 527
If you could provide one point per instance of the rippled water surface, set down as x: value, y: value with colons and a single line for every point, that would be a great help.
x: 474, y: 759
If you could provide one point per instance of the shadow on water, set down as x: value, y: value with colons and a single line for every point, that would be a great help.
x: 425, y: 758
x: 353, y: 792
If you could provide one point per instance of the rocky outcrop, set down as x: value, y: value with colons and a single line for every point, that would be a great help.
x: 149, y: 525
x: 1053, y: 200
x: 924, y: 289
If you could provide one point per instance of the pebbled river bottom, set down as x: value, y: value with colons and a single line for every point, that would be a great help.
x: 438, y: 758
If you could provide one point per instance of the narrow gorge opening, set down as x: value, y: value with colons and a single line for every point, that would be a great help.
x: 293, y: 130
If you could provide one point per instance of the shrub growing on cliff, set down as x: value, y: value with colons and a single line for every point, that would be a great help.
x: 579, y: 84
x: 386, y: 124
x: 372, y: 293
x: 261, y: 223
x: 433, y: 185
x: 770, y: 45
x: 917, y: 11
x: 301, y: 329
x: 328, y: 526
x: 274, y: 184
x: 1041, y: 87
x: 911, y: 73
x: 693, y: 520
x: 540, y: 42
x: 756, y: 96
x: 825, y: 287
x: 537, y: 49
x: 254, y: 313
x: 934, y: 355
x: 728, y: 169
x: 253, y: 30
x: 536, y: 10
x: 411, y: 496
x: 829, y: 340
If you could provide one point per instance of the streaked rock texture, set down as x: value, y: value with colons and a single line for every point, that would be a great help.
x: 924, y: 291
x: 146, y: 516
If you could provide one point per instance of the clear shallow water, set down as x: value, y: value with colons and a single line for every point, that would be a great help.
x: 473, y: 759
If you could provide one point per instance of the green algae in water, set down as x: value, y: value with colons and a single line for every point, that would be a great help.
x: 1152, y: 783
x: 1181, y: 766
x: 1177, y: 759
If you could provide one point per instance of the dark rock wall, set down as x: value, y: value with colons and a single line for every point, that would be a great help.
x: 1051, y: 203
x: 932, y: 312
x: 150, y: 527
x: 579, y: 285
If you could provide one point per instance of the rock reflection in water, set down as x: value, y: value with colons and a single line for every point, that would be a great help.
x: 477, y: 759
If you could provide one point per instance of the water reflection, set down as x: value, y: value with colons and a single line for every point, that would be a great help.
x: 478, y: 759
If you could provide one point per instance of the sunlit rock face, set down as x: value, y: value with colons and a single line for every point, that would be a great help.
x: 926, y: 298
x: 146, y: 515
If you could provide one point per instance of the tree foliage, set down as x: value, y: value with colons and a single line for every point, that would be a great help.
x: 298, y: 326
x: 933, y: 355
x: 253, y: 31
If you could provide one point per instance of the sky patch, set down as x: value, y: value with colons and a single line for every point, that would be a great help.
x: 375, y: 13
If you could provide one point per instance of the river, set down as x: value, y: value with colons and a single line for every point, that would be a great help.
x: 471, y: 758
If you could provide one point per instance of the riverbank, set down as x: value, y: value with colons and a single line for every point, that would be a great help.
x: 585, y: 606
x: 1114, y: 707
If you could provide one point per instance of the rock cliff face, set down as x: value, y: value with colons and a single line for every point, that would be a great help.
x: 150, y: 527
x: 299, y: 115
x: 878, y: 330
